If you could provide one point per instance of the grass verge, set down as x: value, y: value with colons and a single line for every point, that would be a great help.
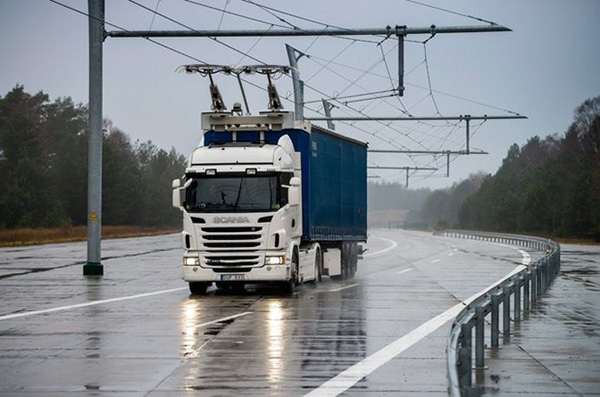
x: 22, y: 237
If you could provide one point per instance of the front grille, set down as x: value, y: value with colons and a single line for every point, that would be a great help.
x: 232, y: 246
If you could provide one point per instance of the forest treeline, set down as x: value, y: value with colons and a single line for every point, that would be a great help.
x: 427, y: 209
x: 547, y: 187
x: 43, y: 168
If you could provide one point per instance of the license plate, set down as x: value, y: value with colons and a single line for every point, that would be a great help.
x: 233, y: 277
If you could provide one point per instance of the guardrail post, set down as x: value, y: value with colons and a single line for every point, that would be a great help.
x: 495, y: 334
x: 544, y: 274
x: 506, y: 311
x: 517, y: 299
x: 534, y: 280
x: 479, y: 337
x: 526, y: 281
x: 540, y: 270
x: 465, y: 354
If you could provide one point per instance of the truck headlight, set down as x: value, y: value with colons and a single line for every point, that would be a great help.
x: 275, y: 260
x: 191, y: 261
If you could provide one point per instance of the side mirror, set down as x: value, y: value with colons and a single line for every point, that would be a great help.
x: 176, y: 194
x: 294, y: 191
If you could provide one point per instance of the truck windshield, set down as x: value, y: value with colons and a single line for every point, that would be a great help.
x: 244, y: 193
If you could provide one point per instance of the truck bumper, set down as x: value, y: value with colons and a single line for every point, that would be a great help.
x: 268, y: 273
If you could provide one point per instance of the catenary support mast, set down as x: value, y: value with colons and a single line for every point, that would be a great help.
x: 94, y: 267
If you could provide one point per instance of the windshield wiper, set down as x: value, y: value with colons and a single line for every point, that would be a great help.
x: 237, y: 199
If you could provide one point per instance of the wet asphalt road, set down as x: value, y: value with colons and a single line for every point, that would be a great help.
x: 136, y: 331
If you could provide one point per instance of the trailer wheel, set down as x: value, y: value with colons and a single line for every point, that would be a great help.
x: 197, y: 288
x: 353, y: 260
x: 346, y: 260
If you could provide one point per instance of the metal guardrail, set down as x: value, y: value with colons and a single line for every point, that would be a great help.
x: 522, y: 288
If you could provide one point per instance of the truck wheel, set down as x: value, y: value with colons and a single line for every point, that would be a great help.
x: 318, y: 265
x: 289, y: 286
x: 198, y: 288
x: 346, y: 260
x: 353, y: 260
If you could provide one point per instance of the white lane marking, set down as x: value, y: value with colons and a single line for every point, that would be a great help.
x: 526, y: 257
x: 343, y: 288
x: 93, y: 303
x: 355, y: 373
x: 391, y: 247
x: 451, y: 254
x: 348, y: 378
x: 435, y: 260
x: 404, y: 271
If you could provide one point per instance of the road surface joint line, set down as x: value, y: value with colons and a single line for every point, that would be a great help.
x: 220, y: 320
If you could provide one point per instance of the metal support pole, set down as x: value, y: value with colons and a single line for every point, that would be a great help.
x: 305, y: 32
x: 448, y: 165
x: 93, y: 267
x: 408, y: 118
x: 296, y: 82
x: 467, y: 121
x: 401, y: 34
x: 327, y: 106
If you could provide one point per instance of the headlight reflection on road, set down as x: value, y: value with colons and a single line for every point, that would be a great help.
x: 275, y: 345
x: 189, y: 333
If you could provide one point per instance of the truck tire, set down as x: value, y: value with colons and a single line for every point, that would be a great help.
x: 347, y: 260
x: 197, y: 288
x: 318, y: 265
x: 353, y: 259
x: 289, y: 286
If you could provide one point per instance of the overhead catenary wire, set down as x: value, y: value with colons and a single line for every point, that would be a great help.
x: 141, y: 36
x: 154, y: 15
x: 325, y: 25
x: 452, y: 12
x: 225, y: 11
x: 442, y: 135
x: 155, y: 12
x: 223, y: 14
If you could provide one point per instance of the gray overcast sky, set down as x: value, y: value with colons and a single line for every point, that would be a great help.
x: 543, y: 69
